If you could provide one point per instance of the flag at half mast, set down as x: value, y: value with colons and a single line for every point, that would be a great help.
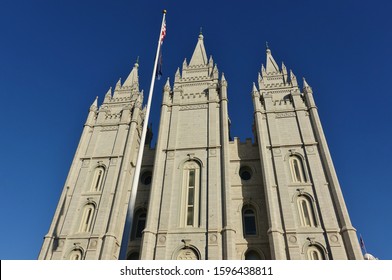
x: 158, y: 73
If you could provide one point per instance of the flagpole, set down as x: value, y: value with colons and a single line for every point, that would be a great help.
x: 131, y: 206
x: 363, y: 246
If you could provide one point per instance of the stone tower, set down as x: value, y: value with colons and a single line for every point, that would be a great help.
x: 202, y: 195
x: 307, y: 215
x: 90, y: 217
x: 188, y: 215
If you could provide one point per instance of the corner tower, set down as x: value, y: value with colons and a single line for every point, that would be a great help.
x: 90, y: 217
x: 187, y: 216
x: 307, y: 215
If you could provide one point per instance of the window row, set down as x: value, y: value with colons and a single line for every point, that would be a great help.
x: 296, y: 167
x: 97, y: 179
x: 313, y: 252
x: 306, y: 214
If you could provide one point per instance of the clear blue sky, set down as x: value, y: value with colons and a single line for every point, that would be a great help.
x: 56, y: 56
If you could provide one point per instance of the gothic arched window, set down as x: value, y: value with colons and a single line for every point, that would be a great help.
x: 191, y: 192
x: 96, y: 183
x: 87, y: 218
x: 297, y: 169
x: 315, y: 253
x: 306, y: 212
x: 249, y: 221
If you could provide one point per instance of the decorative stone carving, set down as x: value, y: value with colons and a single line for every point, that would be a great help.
x: 334, y: 238
x: 162, y: 239
x: 193, y: 107
x: 292, y: 239
x: 213, y: 238
x: 187, y: 254
x: 285, y: 115
x: 109, y: 128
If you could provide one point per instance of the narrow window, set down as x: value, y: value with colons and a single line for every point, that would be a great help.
x: 97, y: 179
x: 306, y: 212
x: 249, y: 221
x: 190, y: 195
x: 87, y: 218
x: 139, y: 224
x: 297, y: 170
x: 191, y: 198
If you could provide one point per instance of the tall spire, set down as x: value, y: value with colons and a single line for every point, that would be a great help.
x: 199, y: 56
x: 271, y: 66
x: 133, y: 77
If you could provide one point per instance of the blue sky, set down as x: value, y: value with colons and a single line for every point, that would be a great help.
x: 56, y: 56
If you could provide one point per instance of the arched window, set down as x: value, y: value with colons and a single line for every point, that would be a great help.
x: 139, y: 223
x: 191, y: 187
x: 252, y: 255
x: 96, y: 183
x: 297, y: 169
x: 87, y: 218
x: 315, y: 253
x: 306, y: 212
x: 249, y: 221
x: 75, y: 255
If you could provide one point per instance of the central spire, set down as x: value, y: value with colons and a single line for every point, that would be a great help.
x: 199, y: 56
x: 271, y: 65
x: 133, y: 77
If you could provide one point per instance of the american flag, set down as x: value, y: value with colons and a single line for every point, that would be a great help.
x: 163, y: 32
x: 361, y: 242
x: 158, y: 73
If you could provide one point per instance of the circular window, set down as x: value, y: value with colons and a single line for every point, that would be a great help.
x: 146, y: 178
x: 245, y: 173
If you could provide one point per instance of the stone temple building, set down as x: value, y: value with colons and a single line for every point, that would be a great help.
x: 202, y: 195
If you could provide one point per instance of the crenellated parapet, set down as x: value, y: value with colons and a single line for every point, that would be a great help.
x: 278, y: 88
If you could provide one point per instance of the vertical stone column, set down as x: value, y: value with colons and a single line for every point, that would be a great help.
x: 275, y: 231
x: 228, y: 231
x: 347, y: 230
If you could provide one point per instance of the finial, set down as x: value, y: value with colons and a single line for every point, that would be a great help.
x: 164, y: 12
x: 267, y: 49
x: 137, y: 62
x: 201, y: 33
